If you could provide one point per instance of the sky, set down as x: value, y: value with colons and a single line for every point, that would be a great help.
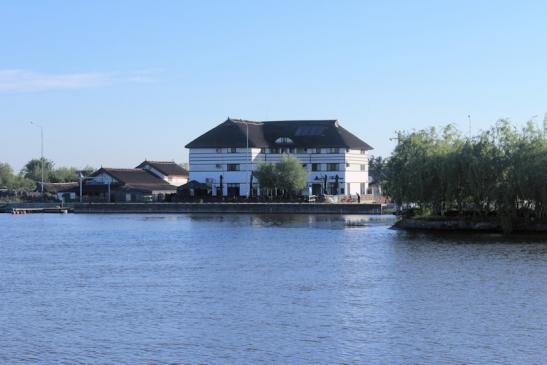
x: 115, y: 82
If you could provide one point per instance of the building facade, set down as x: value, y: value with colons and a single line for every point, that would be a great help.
x: 225, y: 156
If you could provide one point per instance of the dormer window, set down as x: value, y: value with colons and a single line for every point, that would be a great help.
x: 284, y: 140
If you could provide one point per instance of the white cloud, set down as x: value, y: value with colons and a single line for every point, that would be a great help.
x: 30, y: 81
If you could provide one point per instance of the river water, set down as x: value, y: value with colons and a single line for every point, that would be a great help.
x: 177, y: 289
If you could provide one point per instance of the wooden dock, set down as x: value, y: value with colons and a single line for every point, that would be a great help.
x: 60, y: 210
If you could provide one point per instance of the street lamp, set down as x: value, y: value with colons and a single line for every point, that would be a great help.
x: 41, y: 152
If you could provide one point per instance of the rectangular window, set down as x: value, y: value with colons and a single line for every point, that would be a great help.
x: 316, y: 167
x: 347, y: 165
x: 291, y: 150
x: 363, y: 152
x: 218, y: 166
x: 363, y: 167
x: 274, y: 150
x: 233, y: 167
x: 333, y: 150
x: 262, y: 150
x: 363, y: 188
x: 332, y: 167
x: 219, y: 150
x: 347, y: 150
x: 233, y: 150
x: 301, y: 150
x: 318, y: 150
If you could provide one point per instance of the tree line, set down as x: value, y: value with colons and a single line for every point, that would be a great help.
x: 31, y: 174
x: 501, y: 171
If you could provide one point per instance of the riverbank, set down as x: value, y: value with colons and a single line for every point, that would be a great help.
x: 245, y: 208
x: 465, y: 225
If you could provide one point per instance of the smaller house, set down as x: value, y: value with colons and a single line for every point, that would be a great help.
x: 169, y: 171
x: 125, y: 185
x: 63, y: 191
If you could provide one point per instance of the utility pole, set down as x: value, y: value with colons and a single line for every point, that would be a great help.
x: 41, y: 153
x: 398, y: 138
x: 81, y: 185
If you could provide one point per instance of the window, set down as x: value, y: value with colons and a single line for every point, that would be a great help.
x: 233, y: 167
x: 316, y: 167
x: 333, y: 150
x: 233, y: 150
x: 219, y: 150
x: 218, y: 166
x: 363, y: 152
x: 305, y: 165
x: 318, y: 150
x: 274, y: 150
x: 332, y: 167
x: 363, y: 167
x: 292, y: 150
x: 301, y: 150
x: 284, y: 140
x: 262, y: 150
x: 347, y: 149
x: 363, y: 188
x: 347, y: 165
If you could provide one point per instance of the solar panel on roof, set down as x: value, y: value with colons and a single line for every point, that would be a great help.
x: 309, y: 131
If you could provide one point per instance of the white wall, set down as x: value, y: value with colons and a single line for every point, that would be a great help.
x: 206, y: 165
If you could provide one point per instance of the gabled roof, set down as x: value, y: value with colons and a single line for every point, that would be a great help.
x: 168, y: 168
x: 301, y: 133
x: 57, y: 187
x: 137, y: 179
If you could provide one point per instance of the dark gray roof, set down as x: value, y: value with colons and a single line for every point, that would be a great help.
x: 136, y: 179
x: 302, y: 133
x: 58, y: 187
x: 168, y: 168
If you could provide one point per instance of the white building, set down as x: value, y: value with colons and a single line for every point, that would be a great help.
x: 168, y: 171
x: 227, y: 154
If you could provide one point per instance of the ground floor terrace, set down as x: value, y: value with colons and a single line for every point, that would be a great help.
x: 241, y: 183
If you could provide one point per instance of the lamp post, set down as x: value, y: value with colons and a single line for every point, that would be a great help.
x: 41, y: 152
x: 250, y: 164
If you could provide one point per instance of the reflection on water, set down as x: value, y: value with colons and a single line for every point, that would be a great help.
x: 265, y: 288
x: 298, y: 220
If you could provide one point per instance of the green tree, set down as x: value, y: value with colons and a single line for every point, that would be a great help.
x: 63, y: 174
x: 286, y: 176
x: 13, y: 182
x: 6, y: 175
x: 501, y: 170
x: 33, y: 170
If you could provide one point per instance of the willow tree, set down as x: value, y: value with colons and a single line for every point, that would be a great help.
x: 286, y: 176
x: 501, y: 171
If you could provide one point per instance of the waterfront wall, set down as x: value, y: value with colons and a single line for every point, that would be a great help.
x: 258, y: 208
x: 8, y: 207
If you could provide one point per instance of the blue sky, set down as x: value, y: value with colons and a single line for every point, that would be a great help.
x: 114, y: 82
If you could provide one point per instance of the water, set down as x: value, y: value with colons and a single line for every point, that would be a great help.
x: 151, y: 289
